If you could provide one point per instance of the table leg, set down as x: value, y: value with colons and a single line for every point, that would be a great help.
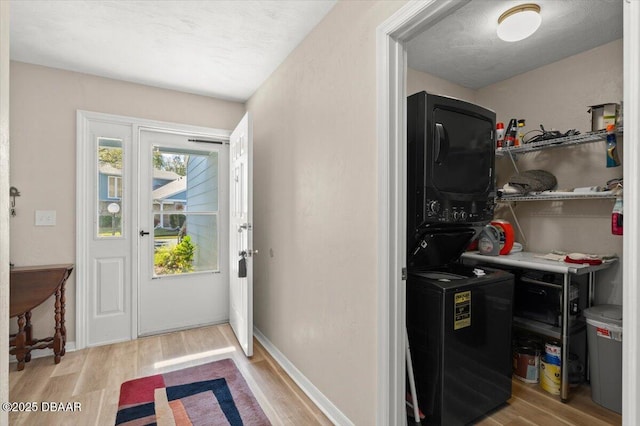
x: 564, y: 357
x: 20, y: 343
x: 63, y: 327
x: 57, y: 337
x: 591, y: 291
x: 28, y: 329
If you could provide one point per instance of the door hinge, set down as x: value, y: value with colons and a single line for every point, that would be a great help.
x: 404, y: 274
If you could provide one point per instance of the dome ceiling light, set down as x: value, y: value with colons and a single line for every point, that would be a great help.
x: 519, y: 22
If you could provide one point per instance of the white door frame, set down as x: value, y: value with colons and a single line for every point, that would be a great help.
x: 391, y: 64
x: 631, y: 238
x: 4, y: 207
x: 81, y: 271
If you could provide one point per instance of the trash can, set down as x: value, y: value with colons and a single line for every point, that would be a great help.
x: 604, y: 338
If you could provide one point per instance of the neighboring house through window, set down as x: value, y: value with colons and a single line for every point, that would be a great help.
x: 115, y: 187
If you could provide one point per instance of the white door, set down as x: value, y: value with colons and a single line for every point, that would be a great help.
x: 241, y: 234
x: 182, y: 231
x: 108, y: 224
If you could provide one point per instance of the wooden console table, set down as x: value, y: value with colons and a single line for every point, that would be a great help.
x: 30, y: 286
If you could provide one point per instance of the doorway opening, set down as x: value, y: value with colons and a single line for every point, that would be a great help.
x: 153, y: 229
x: 391, y: 73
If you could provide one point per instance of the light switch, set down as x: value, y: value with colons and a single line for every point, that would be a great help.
x: 45, y: 217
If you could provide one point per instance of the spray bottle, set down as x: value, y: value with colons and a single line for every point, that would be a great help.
x: 612, y: 146
x: 521, y: 132
x: 616, y: 218
x: 500, y: 131
x: 511, y: 133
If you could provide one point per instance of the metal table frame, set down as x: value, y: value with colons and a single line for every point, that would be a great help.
x: 526, y: 260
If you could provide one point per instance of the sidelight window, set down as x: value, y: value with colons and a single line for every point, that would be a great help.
x: 110, y: 190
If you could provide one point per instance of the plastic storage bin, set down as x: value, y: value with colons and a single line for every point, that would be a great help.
x: 604, y: 337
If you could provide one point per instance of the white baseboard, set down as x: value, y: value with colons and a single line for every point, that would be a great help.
x: 323, y: 403
x: 41, y: 353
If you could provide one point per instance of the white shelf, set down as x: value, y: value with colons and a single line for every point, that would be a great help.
x: 529, y: 260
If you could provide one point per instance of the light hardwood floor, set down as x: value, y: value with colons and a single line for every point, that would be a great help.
x: 93, y: 377
x: 531, y: 405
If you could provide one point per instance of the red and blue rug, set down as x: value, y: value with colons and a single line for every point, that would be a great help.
x: 208, y: 394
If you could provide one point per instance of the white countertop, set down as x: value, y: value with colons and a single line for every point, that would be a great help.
x: 530, y: 261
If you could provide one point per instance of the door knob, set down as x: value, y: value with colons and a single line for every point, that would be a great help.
x: 143, y: 233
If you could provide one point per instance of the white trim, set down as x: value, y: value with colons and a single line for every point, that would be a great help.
x: 322, y: 402
x: 82, y: 126
x: 407, y: 22
x: 631, y: 247
x: 137, y: 125
x: 159, y: 126
x: 4, y: 207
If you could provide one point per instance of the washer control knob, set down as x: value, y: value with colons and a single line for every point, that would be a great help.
x: 463, y: 215
x: 434, y: 206
x: 456, y: 215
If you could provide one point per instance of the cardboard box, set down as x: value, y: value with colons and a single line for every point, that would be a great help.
x: 602, y: 115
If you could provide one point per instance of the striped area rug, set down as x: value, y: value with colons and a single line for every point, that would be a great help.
x: 208, y: 394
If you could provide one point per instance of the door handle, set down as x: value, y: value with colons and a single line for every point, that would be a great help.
x: 441, y: 146
x: 143, y: 233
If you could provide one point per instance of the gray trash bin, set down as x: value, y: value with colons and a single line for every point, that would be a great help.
x: 604, y: 337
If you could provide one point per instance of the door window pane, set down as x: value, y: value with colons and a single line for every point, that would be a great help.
x: 110, y: 188
x: 185, y: 211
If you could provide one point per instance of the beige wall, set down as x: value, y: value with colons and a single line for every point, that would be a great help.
x: 558, y: 96
x: 417, y: 81
x: 43, y: 142
x: 315, y: 201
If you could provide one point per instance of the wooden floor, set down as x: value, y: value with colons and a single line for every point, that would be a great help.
x: 531, y: 405
x: 93, y: 377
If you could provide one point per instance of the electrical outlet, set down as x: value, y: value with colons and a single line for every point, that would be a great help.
x: 45, y: 217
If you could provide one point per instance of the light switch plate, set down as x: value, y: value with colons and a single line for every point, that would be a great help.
x: 45, y: 217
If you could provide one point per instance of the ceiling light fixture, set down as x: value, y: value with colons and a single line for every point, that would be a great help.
x: 519, y: 22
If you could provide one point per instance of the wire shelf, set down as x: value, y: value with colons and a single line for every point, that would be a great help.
x: 565, y: 141
x: 559, y: 197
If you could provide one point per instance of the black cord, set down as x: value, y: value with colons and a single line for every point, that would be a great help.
x: 551, y: 134
x: 531, y: 138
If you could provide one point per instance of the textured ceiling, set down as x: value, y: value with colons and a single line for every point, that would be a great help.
x: 227, y: 49
x: 224, y: 49
x: 463, y: 48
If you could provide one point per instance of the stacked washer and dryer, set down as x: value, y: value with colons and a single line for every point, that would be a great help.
x: 458, y: 316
